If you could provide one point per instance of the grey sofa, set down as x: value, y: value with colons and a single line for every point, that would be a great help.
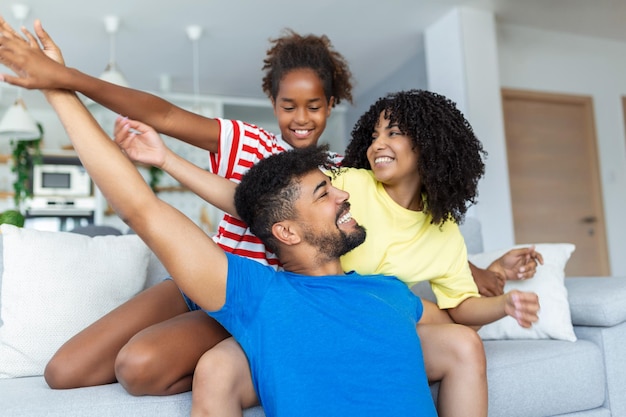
x: 526, y: 377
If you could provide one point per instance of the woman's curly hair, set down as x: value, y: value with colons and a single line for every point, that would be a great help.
x: 293, y: 51
x: 268, y: 191
x: 450, y: 157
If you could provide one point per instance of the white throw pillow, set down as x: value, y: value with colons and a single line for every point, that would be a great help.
x: 57, y: 283
x: 548, y: 283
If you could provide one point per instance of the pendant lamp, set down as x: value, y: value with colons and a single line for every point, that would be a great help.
x: 111, y: 73
x: 17, y: 123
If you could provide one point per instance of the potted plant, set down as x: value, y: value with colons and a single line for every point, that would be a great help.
x: 155, y: 178
x: 25, y: 154
x: 13, y: 217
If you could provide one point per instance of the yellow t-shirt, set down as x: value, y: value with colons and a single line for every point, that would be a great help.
x: 404, y: 243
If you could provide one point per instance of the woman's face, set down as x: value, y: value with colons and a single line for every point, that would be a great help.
x: 301, y: 108
x: 391, y: 154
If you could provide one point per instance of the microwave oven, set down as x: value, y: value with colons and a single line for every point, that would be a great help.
x: 61, y: 180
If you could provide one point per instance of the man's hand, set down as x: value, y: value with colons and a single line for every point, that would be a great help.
x: 517, y: 264
x: 34, y: 64
x: 523, y: 307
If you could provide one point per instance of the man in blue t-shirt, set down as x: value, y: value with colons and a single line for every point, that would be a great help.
x: 319, y: 342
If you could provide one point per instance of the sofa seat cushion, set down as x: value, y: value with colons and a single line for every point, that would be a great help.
x: 543, y: 377
x: 31, y: 397
x: 597, y: 301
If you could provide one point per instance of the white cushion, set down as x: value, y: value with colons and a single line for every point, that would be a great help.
x: 548, y: 283
x: 57, y: 283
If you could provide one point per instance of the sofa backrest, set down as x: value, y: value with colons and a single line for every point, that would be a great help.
x: 156, y: 271
x: 471, y: 231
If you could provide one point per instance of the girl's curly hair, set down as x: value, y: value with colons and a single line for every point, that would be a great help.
x: 293, y: 51
x: 450, y: 157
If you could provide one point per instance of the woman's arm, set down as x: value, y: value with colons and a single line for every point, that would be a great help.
x: 478, y: 311
x: 44, y: 69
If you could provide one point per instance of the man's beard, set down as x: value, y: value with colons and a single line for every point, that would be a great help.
x: 333, y: 244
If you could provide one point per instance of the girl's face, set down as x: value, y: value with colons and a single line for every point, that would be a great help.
x: 301, y: 108
x: 391, y: 155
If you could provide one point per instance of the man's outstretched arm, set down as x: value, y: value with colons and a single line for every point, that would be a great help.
x: 197, y: 264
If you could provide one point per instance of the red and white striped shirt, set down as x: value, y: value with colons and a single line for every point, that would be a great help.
x: 242, y: 145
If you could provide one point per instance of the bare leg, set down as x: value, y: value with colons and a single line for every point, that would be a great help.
x: 88, y: 358
x: 161, y: 359
x: 91, y: 357
x: 454, y: 355
x: 222, y: 384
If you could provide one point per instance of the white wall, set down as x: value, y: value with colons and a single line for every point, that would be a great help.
x: 462, y: 64
x: 547, y: 61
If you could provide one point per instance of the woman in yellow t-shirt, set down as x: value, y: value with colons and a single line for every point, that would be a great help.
x: 412, y: 170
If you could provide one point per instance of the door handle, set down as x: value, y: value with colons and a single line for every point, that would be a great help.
x: 589, y: 219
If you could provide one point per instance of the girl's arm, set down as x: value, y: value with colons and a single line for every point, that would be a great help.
x: 44, y: 69
x: 141, y: 143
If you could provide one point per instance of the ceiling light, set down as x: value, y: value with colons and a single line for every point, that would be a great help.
x: 111, y: 73
x: 17, y: 123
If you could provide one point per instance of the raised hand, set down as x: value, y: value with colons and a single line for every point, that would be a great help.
x: 140, y: 142
x: 38, y: 62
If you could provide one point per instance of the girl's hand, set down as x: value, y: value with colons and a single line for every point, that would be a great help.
x: 140, y: 142
x: 37, y: 66
x: 518, y: 264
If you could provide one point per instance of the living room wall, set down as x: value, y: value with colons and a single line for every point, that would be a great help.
x: 532, y: 59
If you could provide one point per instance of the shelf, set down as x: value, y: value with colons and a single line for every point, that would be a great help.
x: 172, y: 188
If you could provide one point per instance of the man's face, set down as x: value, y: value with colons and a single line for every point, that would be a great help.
x: 325, y: 215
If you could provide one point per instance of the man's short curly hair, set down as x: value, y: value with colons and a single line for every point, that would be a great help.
x: 294, y: 51
x: 268, y: 191
x: 450, y: 157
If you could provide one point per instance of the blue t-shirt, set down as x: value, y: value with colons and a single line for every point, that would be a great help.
x: 327, y: 346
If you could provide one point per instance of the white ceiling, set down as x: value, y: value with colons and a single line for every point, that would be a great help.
x: 377, y: 37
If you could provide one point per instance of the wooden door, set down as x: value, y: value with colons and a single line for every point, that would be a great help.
x: 553, y: 171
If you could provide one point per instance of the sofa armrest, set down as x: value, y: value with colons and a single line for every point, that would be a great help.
x: 597, y: 301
